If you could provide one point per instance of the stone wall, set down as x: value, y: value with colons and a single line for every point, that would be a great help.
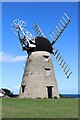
x: 38, y: 76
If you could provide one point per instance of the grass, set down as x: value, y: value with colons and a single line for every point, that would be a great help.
x: 39, y: 108
x: 0, y: 108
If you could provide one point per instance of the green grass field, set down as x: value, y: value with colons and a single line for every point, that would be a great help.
x: 39, y: 108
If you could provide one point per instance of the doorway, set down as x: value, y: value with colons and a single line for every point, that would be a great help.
x: 49, y: 90
x: 23, y: 89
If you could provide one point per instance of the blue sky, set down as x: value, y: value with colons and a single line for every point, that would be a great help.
x: 46, y: 15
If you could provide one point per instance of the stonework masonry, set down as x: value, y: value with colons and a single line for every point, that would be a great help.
x: 39, y: 79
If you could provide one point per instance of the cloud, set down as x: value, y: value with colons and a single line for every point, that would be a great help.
x: 18, y: 58
x: 4, y: 57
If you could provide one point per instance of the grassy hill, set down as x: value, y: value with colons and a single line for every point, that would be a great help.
x: 39, y: 108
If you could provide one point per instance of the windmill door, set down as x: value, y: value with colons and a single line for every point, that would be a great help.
x: 49, y: 90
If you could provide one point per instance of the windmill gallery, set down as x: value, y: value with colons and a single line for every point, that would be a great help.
x: 39, y: 79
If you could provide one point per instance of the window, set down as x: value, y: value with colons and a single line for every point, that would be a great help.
x: 23, y: 89
x: 48, y: 70
x: 46, y: 58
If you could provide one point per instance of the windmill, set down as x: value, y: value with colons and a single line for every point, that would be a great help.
x: 39, y: 77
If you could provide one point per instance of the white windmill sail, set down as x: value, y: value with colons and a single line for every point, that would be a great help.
x: 57, y: 31
x: 37, y: 30
x: 64, y: 66
x: 25, y: 37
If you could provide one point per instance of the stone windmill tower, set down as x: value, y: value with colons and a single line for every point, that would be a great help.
x: 39, y: 79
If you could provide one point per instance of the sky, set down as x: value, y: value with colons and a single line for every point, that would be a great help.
x: 46, y: 14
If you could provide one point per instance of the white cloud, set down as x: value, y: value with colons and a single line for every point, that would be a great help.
x: 18, y: 58
x: 4, y: 57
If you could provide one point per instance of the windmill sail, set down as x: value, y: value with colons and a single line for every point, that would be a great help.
x: 57, y: 31
x: 25, y: 37
x: 62, y: 63
x: 37, y: 30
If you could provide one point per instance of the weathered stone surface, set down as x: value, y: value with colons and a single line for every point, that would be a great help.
x: 38, y: 76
